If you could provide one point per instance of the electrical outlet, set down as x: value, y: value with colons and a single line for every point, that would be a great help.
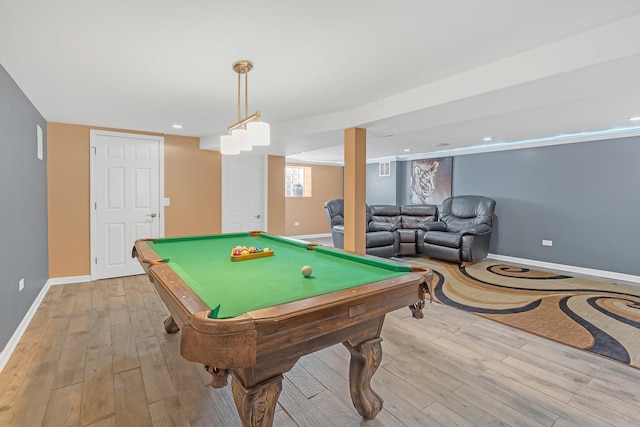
x: 21, y: 284
x: 297, y: 223
x: 547, y: 243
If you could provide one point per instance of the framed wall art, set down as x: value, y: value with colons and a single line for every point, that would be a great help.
x: 430, y: 181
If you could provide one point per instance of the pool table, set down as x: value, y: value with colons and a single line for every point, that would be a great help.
x: 255, y: 318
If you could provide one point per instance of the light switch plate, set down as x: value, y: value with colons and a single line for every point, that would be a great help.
x: 167, y: 201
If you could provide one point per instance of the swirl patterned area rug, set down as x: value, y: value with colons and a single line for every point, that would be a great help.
x: 603, y: 318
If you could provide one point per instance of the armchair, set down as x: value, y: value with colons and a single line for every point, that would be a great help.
x: 463, y: 232
x: 385, y: 218
x: 335, y: 214
x: 378, y: 243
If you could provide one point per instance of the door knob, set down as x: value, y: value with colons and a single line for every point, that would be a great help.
x: 257, y: 216
x: 152, y: 215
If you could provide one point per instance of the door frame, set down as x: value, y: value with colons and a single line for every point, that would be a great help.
x: 92, y: 183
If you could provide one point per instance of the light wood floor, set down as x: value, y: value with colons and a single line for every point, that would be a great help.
x: 96, y: 354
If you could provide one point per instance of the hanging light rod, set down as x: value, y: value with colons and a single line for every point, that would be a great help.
x: 247, y: 131
x: 254, y: 116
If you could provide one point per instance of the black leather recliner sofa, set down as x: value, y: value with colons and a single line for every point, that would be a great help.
x: 459, y: 231
x: 402, y: 220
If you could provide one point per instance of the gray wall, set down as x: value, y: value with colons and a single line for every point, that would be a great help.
x: 403, y: 188
x: 381, y: 190
x: 389, y: 190
x: 585, y: 197
x: 23, y: 206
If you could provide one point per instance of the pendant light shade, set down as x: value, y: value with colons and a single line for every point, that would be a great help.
x: 259, y: 133
x: 227, y: 146
x: 241, y: 139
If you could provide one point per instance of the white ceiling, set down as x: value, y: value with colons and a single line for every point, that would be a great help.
x: 415, y: 73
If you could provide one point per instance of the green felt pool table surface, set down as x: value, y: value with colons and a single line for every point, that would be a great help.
x: 232, y: 288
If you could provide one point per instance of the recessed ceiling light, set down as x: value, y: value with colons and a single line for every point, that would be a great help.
x: 633, y: 119
x: 177, y: 126
x: 442, y: 144
x: 406, y: 150
x: 487, y: 138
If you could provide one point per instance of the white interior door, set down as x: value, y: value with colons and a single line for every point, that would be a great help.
x: 126, y: 199
x: 243, y: 183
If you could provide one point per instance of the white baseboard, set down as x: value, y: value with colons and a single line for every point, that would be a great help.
x: 68, y: 280
x: 17, y: 335
x: 311, y: 236
x: 568, y: 268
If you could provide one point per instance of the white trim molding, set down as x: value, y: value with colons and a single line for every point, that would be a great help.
x: 568, y: 268
x: 311, y: 236
x: 68, y: 280
x: 8, y: 350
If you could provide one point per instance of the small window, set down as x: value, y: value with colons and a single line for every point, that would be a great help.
x: 297, y: 181
x: 384, y: 169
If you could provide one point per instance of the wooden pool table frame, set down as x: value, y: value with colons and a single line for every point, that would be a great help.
x: 257, y: 347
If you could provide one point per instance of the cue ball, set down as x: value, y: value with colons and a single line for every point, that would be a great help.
x: 306, y: 271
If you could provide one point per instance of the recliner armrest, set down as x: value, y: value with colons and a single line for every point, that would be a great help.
x: 337, y: 234
x: 478, y: 230
x: 435, y: 226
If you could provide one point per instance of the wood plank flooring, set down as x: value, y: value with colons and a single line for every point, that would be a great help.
x: 96, y: 354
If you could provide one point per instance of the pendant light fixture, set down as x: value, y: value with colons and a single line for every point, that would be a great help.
x: 248, y: 130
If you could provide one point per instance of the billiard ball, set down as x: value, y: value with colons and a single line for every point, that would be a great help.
x: 306, y: 271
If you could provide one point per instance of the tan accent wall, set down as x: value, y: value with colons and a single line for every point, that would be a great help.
x: 192, y: 181
x: 68, y: 199
x: 276, y: 204
x: 327, y: 184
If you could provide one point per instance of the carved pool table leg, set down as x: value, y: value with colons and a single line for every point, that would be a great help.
x: 257, y: 405
x: 170, y: 325
x: 426, y: 286
x: 218, y: 376
x: 416, y: 310
x: 365, y: 359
